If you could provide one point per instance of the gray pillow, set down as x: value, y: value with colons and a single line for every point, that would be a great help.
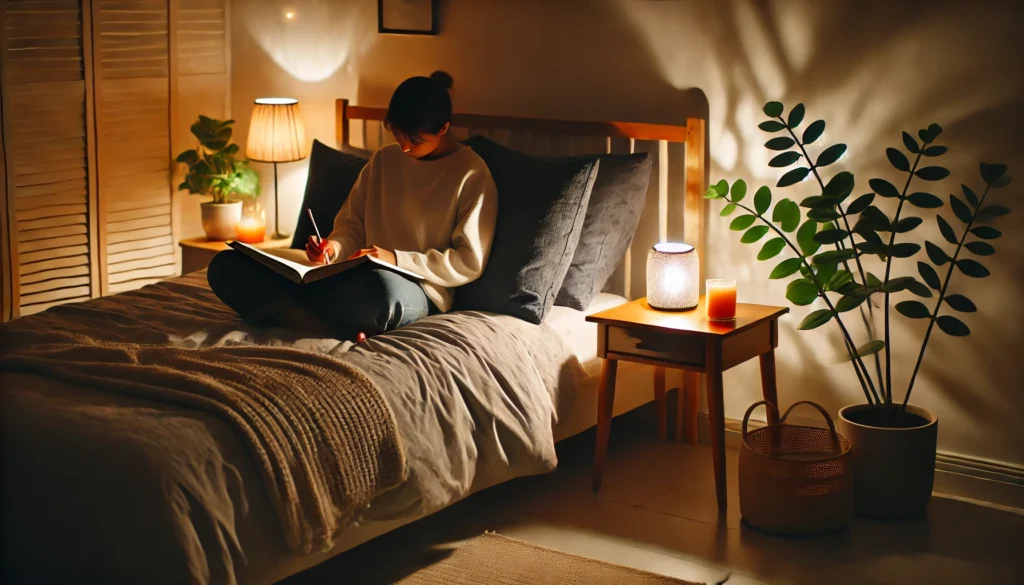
x: 332, y: 173
x: 613, y: 215
x: 541, y: 206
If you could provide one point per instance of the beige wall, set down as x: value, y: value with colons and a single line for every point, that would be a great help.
x: 870, y: 69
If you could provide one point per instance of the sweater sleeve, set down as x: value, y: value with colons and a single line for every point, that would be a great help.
x: 349, y: 229
x: 471, y: 240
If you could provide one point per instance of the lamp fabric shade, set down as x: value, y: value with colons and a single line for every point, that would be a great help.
x: 276, y: 131
x: 672, y: 271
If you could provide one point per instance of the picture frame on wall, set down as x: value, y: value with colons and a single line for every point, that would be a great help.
x: 407, y: 17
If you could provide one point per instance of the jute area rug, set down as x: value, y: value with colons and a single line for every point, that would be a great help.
x: 492, y: 559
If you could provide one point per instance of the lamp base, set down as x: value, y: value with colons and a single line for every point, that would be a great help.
x: 675, y: 309
x: 280, y: 236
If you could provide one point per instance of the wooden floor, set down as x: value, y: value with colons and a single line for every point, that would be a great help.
x: 657, y: 512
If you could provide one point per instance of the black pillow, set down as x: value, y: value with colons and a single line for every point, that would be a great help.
x: 331, y: 176
x: 613, y: 215
x: 541, y: 206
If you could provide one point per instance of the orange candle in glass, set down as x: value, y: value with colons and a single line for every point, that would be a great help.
x: 721, y: 299
x: 251, y: 229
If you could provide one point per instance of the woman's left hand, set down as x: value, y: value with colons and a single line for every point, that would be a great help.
x: 377, y: 252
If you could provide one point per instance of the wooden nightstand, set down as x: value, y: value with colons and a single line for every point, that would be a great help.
x: 196, y: 253
x: 685, y: 340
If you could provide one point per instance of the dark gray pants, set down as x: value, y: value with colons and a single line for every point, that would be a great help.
x: 365, y: 299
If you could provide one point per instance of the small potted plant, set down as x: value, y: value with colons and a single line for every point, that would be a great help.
x: 214, y: 170
x: 831, y: 257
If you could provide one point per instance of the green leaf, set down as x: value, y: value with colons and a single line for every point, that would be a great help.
x: 182, y: 185
x: 785, y: 159
x: 906, y: 224
x: 722, y: 188
x: 897, y: 159
x: 739, y: 191
x: 934, y: 151
x: 929, y: 275
x: 924, y: 200
x: 838, y: 280
x: 779, y: 143
x: 946, y: 230
x: 773, y: 109
x: 884, y: 188
x: 839, y: 186
x: 1002, y: 182
x: 786, y: 268
x: 727, y: 210
x: 936, y: 254
x: 990, y: 172
x: 994, y: 210
x: 771, y: 126
x: 816, y: 319
x: 796, y: 115
x: 913, y: 309
x: 873, y: 281
x: 814, y: 131
x: 801, y: 292
x: 969, y: 195
x: 823, y: 215
x: 754, y: 234
x: 762, y: 200
x: 872, y: 347
x: 831, y: 236
x: 793, y: 177
x: 961, y: 303
x: 189, y: 157
x: 980, y: 248
x: 933, y: 131
x: 805, y: 237
x: 932, y: 173
x: 771, y: 249
x: 818, y: 202
x: 787, y: 215
x: 873, y: 248
x: 860, y: 204
x: 830, y: 155
x: 972, y: 268
x: 952, y: 326
x: 910, y: 143
x: 849, y: 303
x: 904, y: 250
x: 834, y: 256
x: 825, y: 272
x: 919, y: 289
x: 898, y: 284
x: 960, y: 209
x: 986, y: 233
x: 924, y: 136
x: 874, y: 218
x: 742, y: 222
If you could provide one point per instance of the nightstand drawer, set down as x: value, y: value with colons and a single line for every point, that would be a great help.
x: 680, y: 349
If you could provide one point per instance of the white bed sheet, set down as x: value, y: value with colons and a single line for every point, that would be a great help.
x: 581, y: 336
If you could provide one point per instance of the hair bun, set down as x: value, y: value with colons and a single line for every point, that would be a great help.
x: 442, y: 79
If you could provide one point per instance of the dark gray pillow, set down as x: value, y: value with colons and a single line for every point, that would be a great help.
x: 331, y: 176
x: 613, y: 214
x: 541, y: 206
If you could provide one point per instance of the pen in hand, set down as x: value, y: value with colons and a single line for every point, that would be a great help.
x: 319, y: 239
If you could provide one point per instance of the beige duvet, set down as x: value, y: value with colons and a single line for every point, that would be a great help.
x: 105, y: 486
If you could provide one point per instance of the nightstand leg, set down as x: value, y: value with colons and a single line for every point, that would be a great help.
x: 605, y: 400
x: 768, y: 384
x: 716, y: 415
x: 689, y: 406
x: 661, y: 405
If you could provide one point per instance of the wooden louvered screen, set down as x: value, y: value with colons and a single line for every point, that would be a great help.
x: 46, y: 135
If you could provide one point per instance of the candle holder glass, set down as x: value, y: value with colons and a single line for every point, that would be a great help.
x: 720, y: 299
x: 252, y: 227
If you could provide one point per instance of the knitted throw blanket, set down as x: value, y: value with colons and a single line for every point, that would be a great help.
x: 320, y: 432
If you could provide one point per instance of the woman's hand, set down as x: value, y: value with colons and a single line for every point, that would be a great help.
x: 322, y: 251
x: 377, y: 252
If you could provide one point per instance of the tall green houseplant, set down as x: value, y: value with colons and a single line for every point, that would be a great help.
x: 830, y: 237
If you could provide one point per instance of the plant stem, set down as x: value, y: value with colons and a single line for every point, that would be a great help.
x: 868, y: 319
x: 942, y: 297
x: 821, y: 293
x: 888, y: 267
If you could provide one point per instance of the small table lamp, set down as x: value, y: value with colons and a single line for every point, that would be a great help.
x: 672, y: 277
x: 276, y: 135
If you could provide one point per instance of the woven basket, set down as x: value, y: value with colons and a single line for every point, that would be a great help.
x: 795, y: 479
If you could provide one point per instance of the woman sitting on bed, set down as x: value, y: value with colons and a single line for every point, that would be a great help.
x: 426, y: 204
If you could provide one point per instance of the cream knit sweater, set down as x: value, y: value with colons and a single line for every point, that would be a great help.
x: 436, y: 215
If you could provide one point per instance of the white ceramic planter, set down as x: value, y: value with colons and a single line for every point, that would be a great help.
x: 220, y: 219
x: 894, y: 468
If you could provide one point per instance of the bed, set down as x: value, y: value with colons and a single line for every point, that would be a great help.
x: 104, y: 484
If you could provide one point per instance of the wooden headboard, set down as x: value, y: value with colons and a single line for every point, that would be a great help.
x: 675, y: 200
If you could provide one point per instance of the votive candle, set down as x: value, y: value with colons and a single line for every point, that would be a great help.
x: 251, y: 229
x: 721, y: 299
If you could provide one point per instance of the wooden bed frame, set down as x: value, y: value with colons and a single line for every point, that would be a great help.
x: 675, y: 209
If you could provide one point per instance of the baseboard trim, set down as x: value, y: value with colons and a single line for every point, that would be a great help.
x: 967, y: 478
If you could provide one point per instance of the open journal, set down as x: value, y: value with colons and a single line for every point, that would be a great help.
x: 293, y: 264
